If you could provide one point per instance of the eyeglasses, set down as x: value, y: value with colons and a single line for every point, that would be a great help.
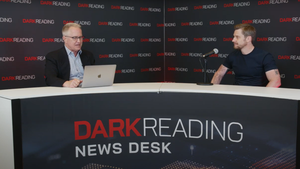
x: 75, y: 38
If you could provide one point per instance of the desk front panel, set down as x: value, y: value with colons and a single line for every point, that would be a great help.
x: 150, y: 130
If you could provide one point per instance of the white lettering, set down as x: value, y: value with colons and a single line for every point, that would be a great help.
x: 154, y: 9
x: 8, y: 20
x: 115, y: 23
x: 196, y: 23
x: 181, y: 8
x: 261, y: 21
x: 7, y: 59
x: 57, y: 3
x: 24, y: 40
x: 21, y: 1
x: 97, y: 40
x: 25, y: 77
x: 115, y: 55
x: 127, y: 40
x: 294, y: 57
x: 181, y: 39
x: 241, y: 4
x: 170, y: 24
x: 212, y: 6
x: 278, y: 1
x: 226, y: 22
x: 277, y: 39
x: 144, y: 24
x: 97, y: 6
x: 128, y: 8
x: 83, y: 22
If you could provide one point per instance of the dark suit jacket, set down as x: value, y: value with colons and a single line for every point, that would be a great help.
x: 57, y: 68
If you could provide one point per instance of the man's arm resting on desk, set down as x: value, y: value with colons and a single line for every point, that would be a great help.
x: 274, y: 78
x: 72, y: 83
x: 218, y: 76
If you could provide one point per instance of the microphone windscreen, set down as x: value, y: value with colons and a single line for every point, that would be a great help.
x: 216, y: 50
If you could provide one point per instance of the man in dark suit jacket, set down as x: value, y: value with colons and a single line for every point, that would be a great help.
x: 64, y: 67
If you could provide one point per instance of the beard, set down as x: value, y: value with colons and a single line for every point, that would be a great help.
x: 239, y: 46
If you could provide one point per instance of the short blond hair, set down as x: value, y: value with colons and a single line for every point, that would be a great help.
x: 247, y: 30
x: 67, y: 26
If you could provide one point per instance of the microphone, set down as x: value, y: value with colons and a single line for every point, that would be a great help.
x: 214, y: 51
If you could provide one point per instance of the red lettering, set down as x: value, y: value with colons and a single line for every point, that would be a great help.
x: 160, y: 54
x: 119, y: 129
x: 48, y: 40
x: 65, y: 22
x: 115, y: 7
x: 184, y: 54
x: 46, y: 3
x: 133, y: 24
x: 145, y: 70
x: 103, y: 56
x: 171, y: 9
x: 214, y: 55
x: 247, y: 21
x: 83, y: 5
x: 171, y: 39
x: 171, y: 68
x: 214, y: 23
x: 227, y: 39
x: 28, y: 20
x: 6, y: 39
x: 76, y: 130
x: 160, y: 25
x: 116, y: 40
x: 263, y: 2
x: 285, y: 57
x: 197, y: 70
x: 86, y: 40
x: 144, y: 40
x: 185, y: 24
x: 102, y: 23
x: 264, y: 39
x: 198, y: 7
x: 118, y: 71
x: 228, y: 5
x: 197, y: 39
x: 130, y: 127
x: 144, y: 9
x: 297, y: 76
x: 285, y: 20
x: 298, y: 38
x: 30, y: 58
x: 8, y: 78
x: 134, y: 55
x: 229, y: 73
x: 101, y: 131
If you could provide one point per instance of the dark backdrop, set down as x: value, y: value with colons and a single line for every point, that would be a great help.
x: 150, y: 41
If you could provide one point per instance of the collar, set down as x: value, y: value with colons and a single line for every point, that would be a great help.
x: 69, y: 52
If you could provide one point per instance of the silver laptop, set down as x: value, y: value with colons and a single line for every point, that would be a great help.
x: 98, y: 75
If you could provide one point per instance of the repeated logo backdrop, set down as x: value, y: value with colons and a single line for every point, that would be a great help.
x: 150, y: 41
x: 196, y: 27
x: 115, y: 31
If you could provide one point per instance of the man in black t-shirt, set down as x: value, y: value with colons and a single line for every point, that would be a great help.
x: 252, y: 66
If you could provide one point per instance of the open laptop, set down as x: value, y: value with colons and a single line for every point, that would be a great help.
x: 98, y: 75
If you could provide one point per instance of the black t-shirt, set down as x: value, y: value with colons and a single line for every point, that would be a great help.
x: 250, y: 69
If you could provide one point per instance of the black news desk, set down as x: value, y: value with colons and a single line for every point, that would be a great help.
x: 149, y: 126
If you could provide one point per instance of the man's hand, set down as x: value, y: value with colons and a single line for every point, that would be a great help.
x: 72, y: 83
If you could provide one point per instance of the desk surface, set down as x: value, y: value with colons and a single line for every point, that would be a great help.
x: 281, y: 93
